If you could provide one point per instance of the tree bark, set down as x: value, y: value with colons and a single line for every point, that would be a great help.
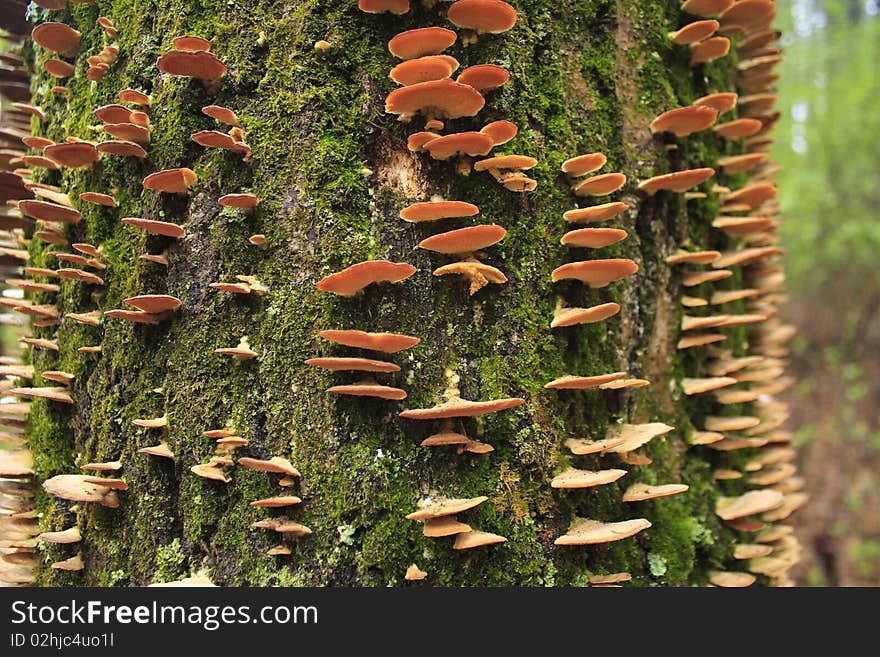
x: 332, y: 172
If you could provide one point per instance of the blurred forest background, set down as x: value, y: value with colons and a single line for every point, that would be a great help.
x: 828, y: 143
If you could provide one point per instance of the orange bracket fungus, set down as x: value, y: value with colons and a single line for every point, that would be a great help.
x: 459, y: 143
x: 352, y: 280
x: 677, y: 181
x: 165, y: 228
x: 482, y: 16
x: 121, y: 148
x: 423, y: 69
x: 574, y: 478
x: 390, y: 343
x: 457, y: 407
x: 75, y: 488
x: 600, y: 185
x: 706, y: 7
x: 593, y: 238
x: 685, y: 120
x: 569, y: 382
x: 436, y: 210
x: 464, y: 240
x: 640, y: 492
x: 437, y: 99
x: 56, y: 37
x: 694, y: 32
x: 501, y: 131
x: 421, y: 41
x: 584, y: 164
x: 571, y: 316
x: 343, y: 364
x: 242, y: 351
x: 474, y: 539
x: 584, y: 531
x: 368, y: 389
x: 478, y: 273
x: 200, y: 64
x: 709, y: 50
x: 439, y: 507
x: 596, y: 273
x: 173, y: 181
x: 380, y: 6
x: 484, y: 77
x: 76, y: 154
x: 595, y: 213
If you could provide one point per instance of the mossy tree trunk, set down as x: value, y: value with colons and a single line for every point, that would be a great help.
x: 587, y: 75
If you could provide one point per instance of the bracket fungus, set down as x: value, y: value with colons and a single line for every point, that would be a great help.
x: 593, y: 238
x: 482, y: 16
x: 684, y: 121
x: 574, y: 478
x: 56, y: 37
x: 352, y: 280
x: 423, y: 69
x: 173, y: 181
x: 709, y: 50
x: 414, y: 574
x: 64, y: 537
x: 459, y: 143
x: 274, y: 465
x: 51, y: 212
x: 478, y: 273
x: 162, y: 450
x: 242, y: 351
x: 731, y: 580
x: 569, y: 382
x: 694, y: 32
x: 457, y: 407
x: 584, y: 531
x: 436, y: 210
x: 677, y: 181
x: 464, y: 240
x: 571, y: 316
x: 474, y: 539
x: 421, y: 41
x: 380, y: 6
x: 369, y: 389
x: 276, y: 502
x: 200, y: 64
x: 122, y: 148
x: 76, y: 488
x: 595, y: 273
x: 601, y: 185
x: 79, y: 154
x: 595, y: 213
x: 431, y: 508
x: 484, y: 77
x: 98, y: 199
x: 389, y: 343
x: 584, y: 164
x: 154, y: 227
x: 738, y: 128
x: 437, y: 99
x: 444, y: 526
x: 343, y: 364
x: 500, y: 131
x: 640, y: 492
x: 748, y: 504
x: 706, y: 7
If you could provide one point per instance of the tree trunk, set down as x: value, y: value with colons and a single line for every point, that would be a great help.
x: 332, y: 171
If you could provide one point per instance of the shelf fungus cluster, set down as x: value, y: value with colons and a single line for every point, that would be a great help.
x: 739, y: 379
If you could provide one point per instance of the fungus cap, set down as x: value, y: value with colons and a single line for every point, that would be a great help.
x: 482, y: 16
x: 731, y: 579
x: 134, y: 96
x: 738, y: 128
x: 112, y: 113
x: 380, y: 6
x: 640, y: 492
x: 122, y: 148
x: 343, y: 364
x: 501, y: 131
x: 444, y: 526
x: 199, y: 64
x: 706, y: 7
x: 245, y: 201
x: 436, y: 210
x: 584, y: 531
x: 352, y: 280
x: 191, y: 43
x: 584, y: 164
x: 596, y: 273
x: 595, y: 213
x: 276, y: 502
x: 569, y: 382
x: 635, y: 435
x: 750, y: 503
x: 46, y: 211
x: 423, y: 69
x: 693, y: 257
x: 173, y: 181
x: 209, y: 471
x: 437, y: 508
x: 414, y: 573
x: 593, y: 238
x: 694, y: 32
x: 459, y: 143
x: 128, y: 132
x: 154, y: 303
x: 464, y: 240
x: 369, y: 390
x: 581, y: 446
x: 64, y: 537
x: 56, y: 37
x: 76, y: 489
x: 276, y: 464
x: 600, y: 185
x: 443, y: 99
x: 484, y: 77
x: 421, y: 41
x: 574, y: 478
x: 474, y: 539
x: 109, y: 482
x: 685, y: 120
x: 58, y: 69
x: 458, y: 407
x: 571, y: 316
x: 416, y: 141
x: 98, y: 198
x: 59, y: 394
x: 136, y: 316
x: 709, y: 50
x: 165, y: 228
x: 479, y: 274
x: 721, y: 102
x: 74, y: 563
x: 677, y: 181
x: 693, y: 278
x: 389, y: 343
x: 161, y: 450
x: 15, y: 463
